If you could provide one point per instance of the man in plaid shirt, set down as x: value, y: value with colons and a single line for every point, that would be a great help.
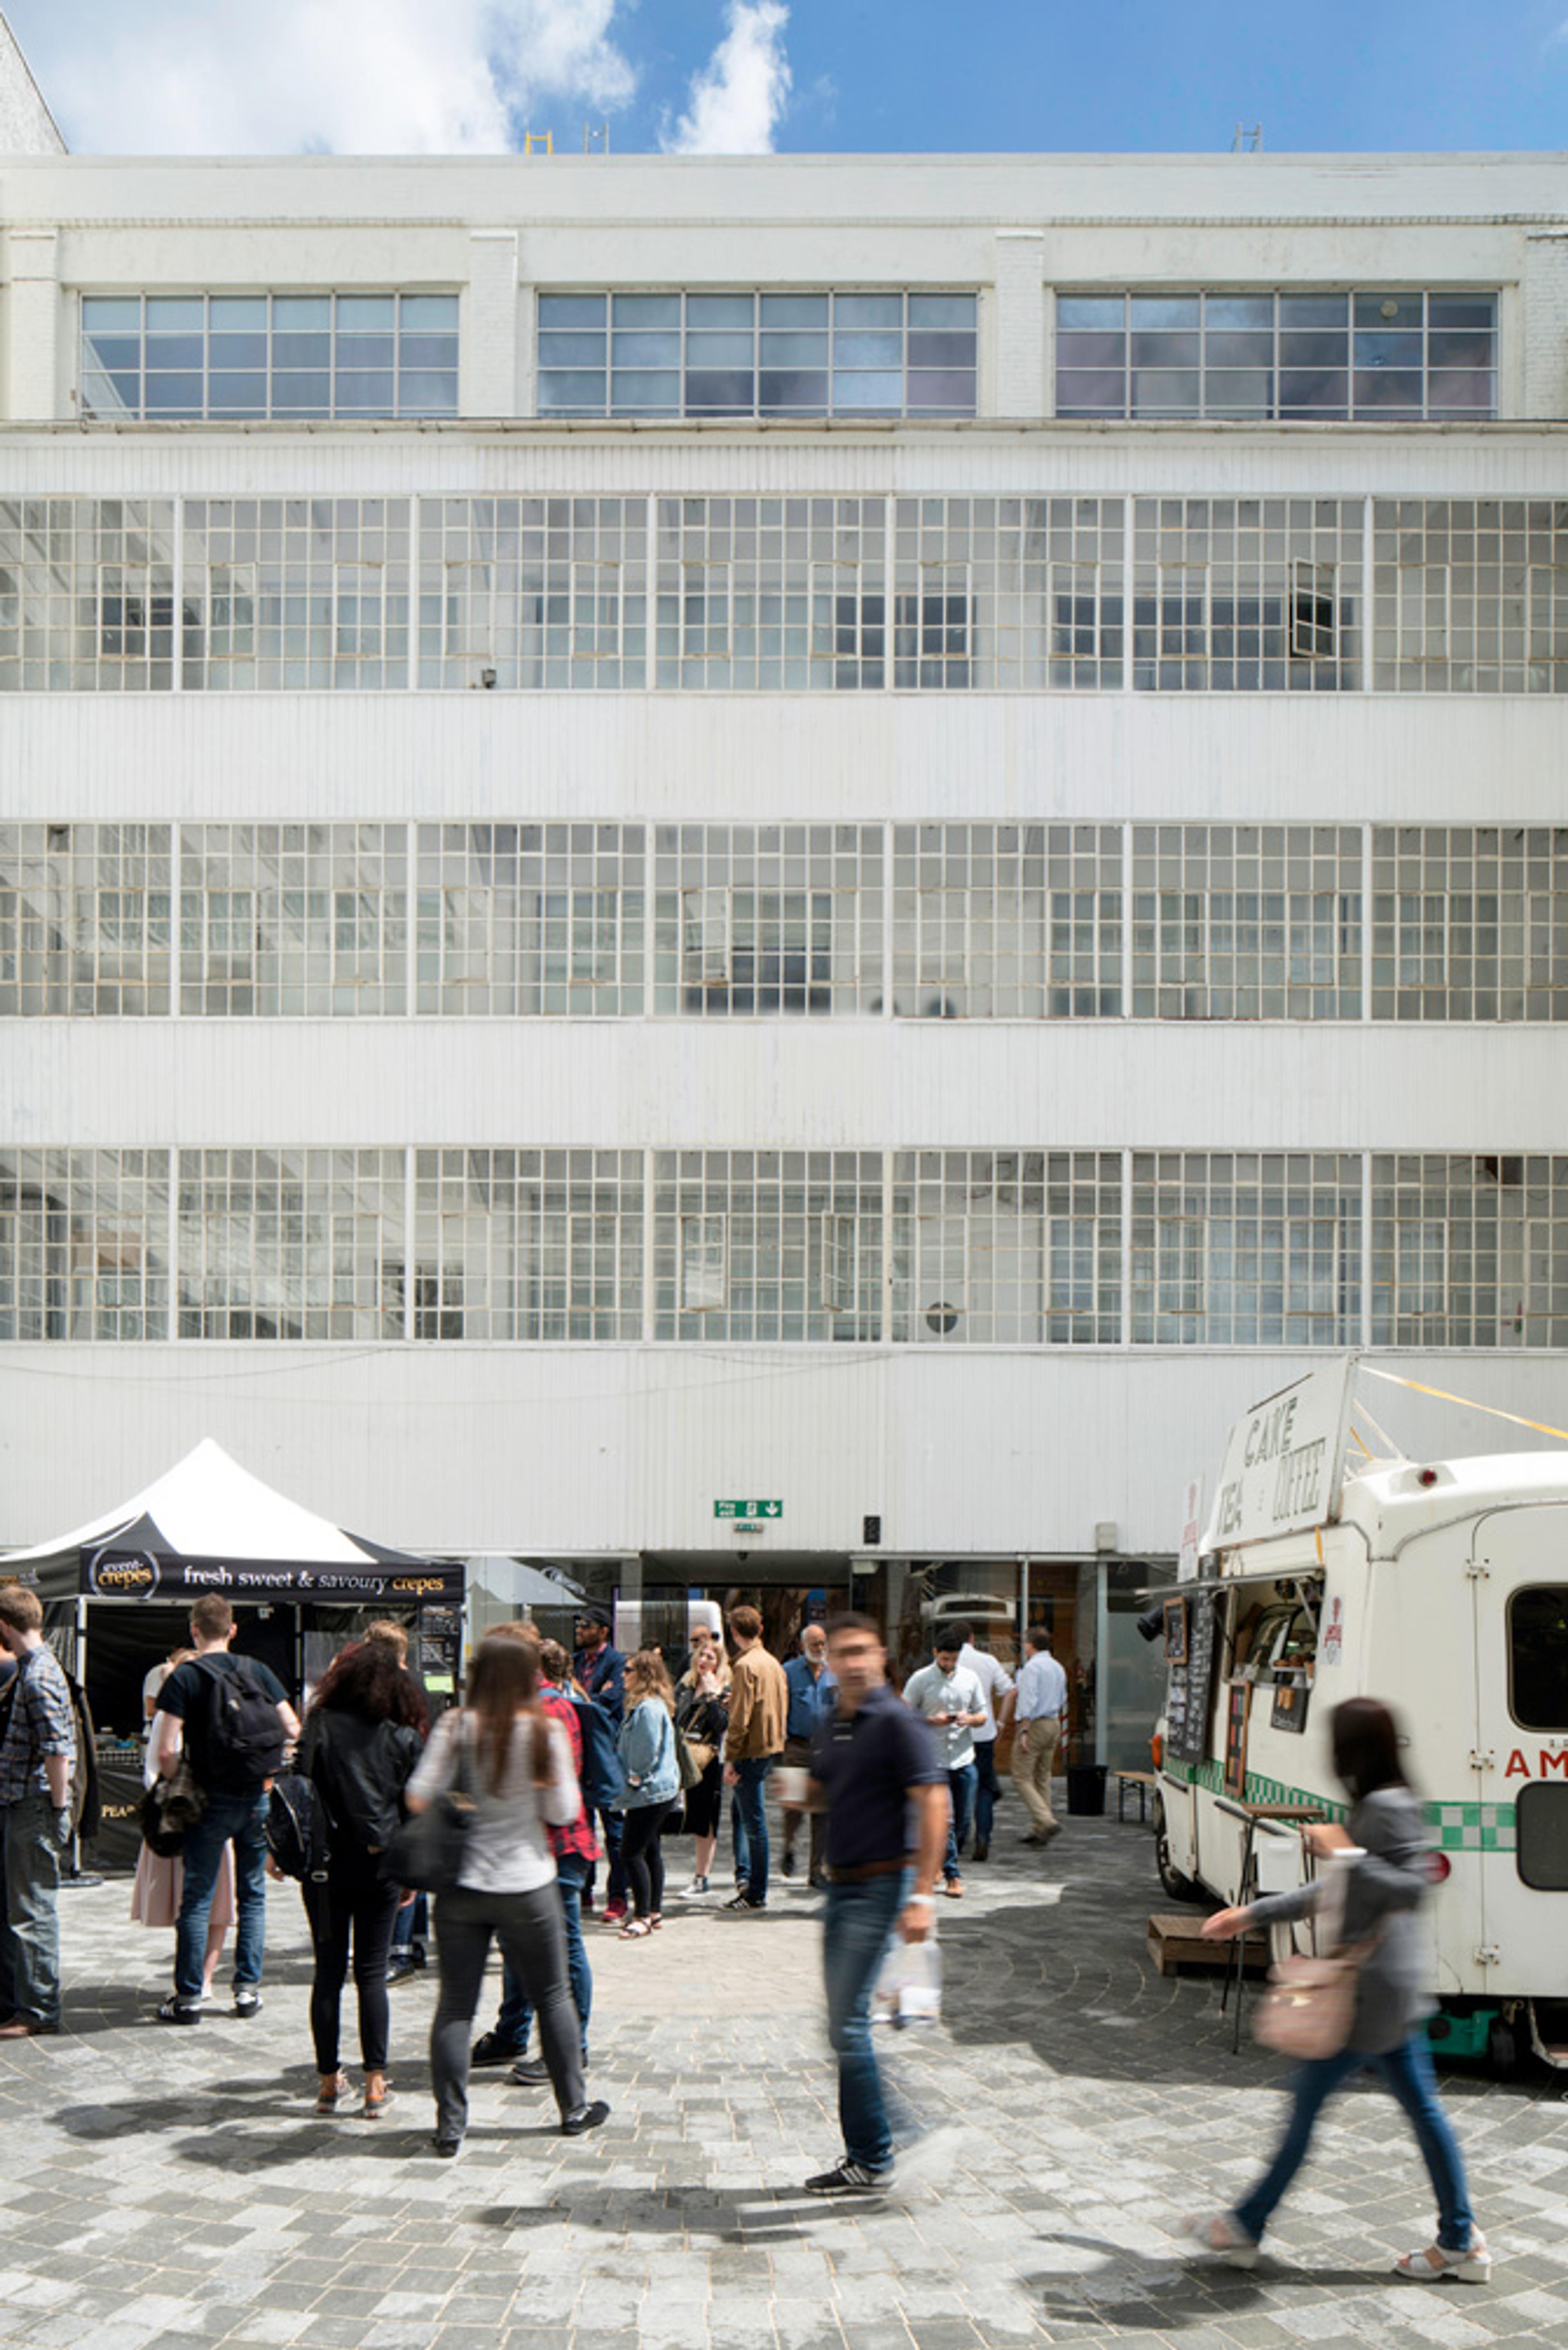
x: 576, y: 1848
x: 36, y: 1755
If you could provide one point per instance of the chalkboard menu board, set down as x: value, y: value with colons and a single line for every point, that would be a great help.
x: 1191, y: 1684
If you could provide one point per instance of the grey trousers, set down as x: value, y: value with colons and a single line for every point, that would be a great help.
x: 529, y: 1929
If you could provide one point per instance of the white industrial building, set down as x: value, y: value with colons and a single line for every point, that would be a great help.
x: 868, y: 833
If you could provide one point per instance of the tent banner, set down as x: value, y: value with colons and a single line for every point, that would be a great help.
x: 112, y: 1572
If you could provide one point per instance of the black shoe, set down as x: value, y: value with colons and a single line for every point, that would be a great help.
x: 531, y: 2072
x: 248, y: 2002
x: 179, y: 2011
x: 817, y: 1881
x: 399, y: 1967
x: 745, y: 1901
x: 981, y: 1851
x: 491, y: 2049
x: 1031, y: 1838
x: 447, y: 2145
x: 787, y: 1865
x: 848, y: 2177
x: 585, y: 2117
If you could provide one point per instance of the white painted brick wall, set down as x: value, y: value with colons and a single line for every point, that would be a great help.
x: 1020, y: 324
x: 487, y: 383
x: 1545, y: 292
x: 34, y: 324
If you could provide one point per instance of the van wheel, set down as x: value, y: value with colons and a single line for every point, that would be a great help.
x: 1502, y: 2048
x: 1179, y: 1887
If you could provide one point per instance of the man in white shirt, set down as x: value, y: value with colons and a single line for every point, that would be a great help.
x: 994, y: 1684
x: 948, y: 1696
x: 1040, y: 1710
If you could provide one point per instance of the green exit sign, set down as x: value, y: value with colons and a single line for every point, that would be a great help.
x: 748, y: 1509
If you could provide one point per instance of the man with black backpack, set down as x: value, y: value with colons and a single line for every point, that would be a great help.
x: 235, y: 1722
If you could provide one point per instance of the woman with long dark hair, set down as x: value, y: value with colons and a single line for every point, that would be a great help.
x: 362, y: 1739
x: 702, y: 1716
x: 515, y: 1766
x: 1386, y: 1875
x: 653, y: 1787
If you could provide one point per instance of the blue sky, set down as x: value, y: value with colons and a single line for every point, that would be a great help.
x: 744, y: 75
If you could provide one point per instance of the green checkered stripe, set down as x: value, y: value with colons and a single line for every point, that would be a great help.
x: 1456, y: 1827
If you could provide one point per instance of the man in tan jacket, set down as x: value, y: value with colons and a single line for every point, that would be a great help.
x: 759, y: 1709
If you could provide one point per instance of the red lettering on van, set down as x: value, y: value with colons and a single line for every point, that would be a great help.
x: 1517, y: 1768
x: 1550, y: 1761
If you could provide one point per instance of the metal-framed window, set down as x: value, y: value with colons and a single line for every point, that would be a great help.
x: 749, y: 1245
x: 533, y: 1245
x: 1470, y: 596
x: 86, y: 920
x: 290, y: 1244
x: 1470, y: 922
x: 767, y: 918
x: 1007, y: 921
x: 1330, y: 357
x: 1007, y: 1247
x: 87, y: 594
x: 293, y: 920
x: 1247, y: 595
x: 234, y: 357
x: 759, y: 595
x: 531, y: 920
x: 1246, y: 921
x: 289, y: 593
x: 746, y: 354
x: 84, y: 1240
x: 1239, y: 1249
x: 542, y: 593
x: 1469, y: 1251
x: 1008, y: 594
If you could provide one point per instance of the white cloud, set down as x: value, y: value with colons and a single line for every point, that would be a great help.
x: 359, y: 77
x: 735, y: 101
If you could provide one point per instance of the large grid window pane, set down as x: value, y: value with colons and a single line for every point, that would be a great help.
x: 1399, y: 356
x: 84, y: 1244
x: 531, y: 920
x: 1008, y: 594
x: 295, y: 592
x: 1246, y: 1249
x: 540, y: 592
x: 290, y: 1244
x: 1247, y: 595
x: 1469, y: 1251
x: 767, y: 918
x: 1007, y: 922
x: 1246, y: 921
x: 527, y: 1245
x: 232, y: 358
x: 1472, y: 595
x: 768, y: 1245
x: 1007, y: 1247
x: 689, y: 354
x: 1470, y: 922
x: 759, y: 594
x: 293, y: 920
x: 87, y: 594
x: 85, y: 919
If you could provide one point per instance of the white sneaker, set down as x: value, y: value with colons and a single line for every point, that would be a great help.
x: 694, y: 1891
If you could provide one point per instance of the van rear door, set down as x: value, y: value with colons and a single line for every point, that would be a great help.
x: 1518, y: 1584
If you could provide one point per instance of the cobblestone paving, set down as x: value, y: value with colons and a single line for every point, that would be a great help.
x: 175, y: 2188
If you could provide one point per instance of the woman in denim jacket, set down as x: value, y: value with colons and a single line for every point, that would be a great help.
x: 652, y: 1787
x: 1389, y: 1881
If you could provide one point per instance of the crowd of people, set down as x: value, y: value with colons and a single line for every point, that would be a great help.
x: 555, y: 1764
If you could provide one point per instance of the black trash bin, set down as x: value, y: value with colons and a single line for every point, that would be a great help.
x: 1087, y: 1789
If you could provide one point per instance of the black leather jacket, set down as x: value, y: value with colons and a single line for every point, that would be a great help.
x: 361, y: 1768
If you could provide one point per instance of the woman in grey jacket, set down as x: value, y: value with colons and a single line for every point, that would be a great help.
x: 1387, y: 1883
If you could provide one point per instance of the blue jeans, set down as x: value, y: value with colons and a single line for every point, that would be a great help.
x: 1407, y: 2070
x: 515, y: 2020
x: 411, y: 1925
x: 239, y: 1820
x: 858, y: 1931
x: 36, y: 1837
x: 749, y: 1826
x: 961, y: 1802
x: 986, y: 1789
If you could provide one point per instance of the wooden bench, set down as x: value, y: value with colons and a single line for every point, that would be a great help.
x: 1176, y: 1941
x: 1143, y: 1781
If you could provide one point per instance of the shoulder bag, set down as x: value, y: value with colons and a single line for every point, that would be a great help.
x: 1308, y: 2010
x: 430, y: 1849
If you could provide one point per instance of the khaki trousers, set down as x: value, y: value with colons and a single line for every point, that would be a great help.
x: 1032, y: 1765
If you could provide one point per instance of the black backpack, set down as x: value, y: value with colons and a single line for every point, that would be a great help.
x: 299, y: 1828
x: 234, y: 1737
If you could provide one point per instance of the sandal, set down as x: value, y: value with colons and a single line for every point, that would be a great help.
x: 1223, y: 2236
x: 655, y: 1921
x: 333, y: 2087
x: 377, y: 2098
x: 634, y: 1930
x: 1432, y: 2264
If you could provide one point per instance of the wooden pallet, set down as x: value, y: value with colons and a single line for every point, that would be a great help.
x: 1176, y: 1941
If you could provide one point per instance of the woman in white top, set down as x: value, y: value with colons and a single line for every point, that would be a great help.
x: 516, y: 1767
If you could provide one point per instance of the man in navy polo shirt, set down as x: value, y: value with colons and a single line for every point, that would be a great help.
x: 876, y: 1769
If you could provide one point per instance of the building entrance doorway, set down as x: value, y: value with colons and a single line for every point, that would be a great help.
x: 788, y: 1590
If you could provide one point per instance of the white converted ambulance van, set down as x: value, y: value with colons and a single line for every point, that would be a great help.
x: 1440, y: 1587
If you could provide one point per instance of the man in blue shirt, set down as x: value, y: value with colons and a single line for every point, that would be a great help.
x: 1040, y: 1707
x: 877, y: 1770
x: 812, y: 1689
x: 600, y: 1669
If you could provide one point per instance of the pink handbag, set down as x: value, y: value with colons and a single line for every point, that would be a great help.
x: 1309, y: 2008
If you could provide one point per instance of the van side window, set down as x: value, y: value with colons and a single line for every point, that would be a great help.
x: 1538, y: 1656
